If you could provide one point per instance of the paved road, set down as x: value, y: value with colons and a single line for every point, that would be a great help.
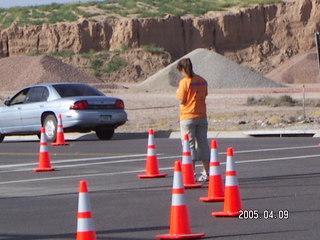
x: 274, y: 174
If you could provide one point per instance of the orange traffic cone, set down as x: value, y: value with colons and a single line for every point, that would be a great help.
x: 215, y: 189
x: 85, y: 224
x: 44, y: 156
x: 179, y: 219
x: 187, y: 165
x: 152, y: 169
x: 60, y: 134
x: 232, y: 201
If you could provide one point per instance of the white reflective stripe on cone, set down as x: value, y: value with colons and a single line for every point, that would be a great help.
x: 186, y: 159
x: 186, y: 146
x: 151, y: 151
x: 43, y: 148
x: 214, y: 170
x: 230, y: 164
x: 231, y: 181
x: 178, y: 200
x: 214, y: 155
x: 59, y: 121
x: 151, y: 139
x: 43, y: 138
x: 177, y: 180
x: 84, y: 203
x: 85, y: 225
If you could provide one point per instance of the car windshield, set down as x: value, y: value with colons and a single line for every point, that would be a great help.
x: 76, y: 90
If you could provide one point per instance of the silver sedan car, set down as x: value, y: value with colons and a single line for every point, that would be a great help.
x: 83, y: 109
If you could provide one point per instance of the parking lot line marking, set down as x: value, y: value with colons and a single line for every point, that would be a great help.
x: 129, y: 156
x: 57, y: 154
x: 275, y: 149
x: 277, y: 159
x: 137, y: 171
x: 74, y: 160
x: 96, y: 163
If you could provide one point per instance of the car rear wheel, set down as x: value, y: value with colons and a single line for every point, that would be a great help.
x: 50, y: 124
x: 1, y: 137
x: 105, y: 133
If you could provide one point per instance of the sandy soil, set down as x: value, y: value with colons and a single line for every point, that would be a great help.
x: 227, y: 111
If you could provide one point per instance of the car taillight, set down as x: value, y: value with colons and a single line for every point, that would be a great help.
x: 119, y: 104
x: 80, y: 105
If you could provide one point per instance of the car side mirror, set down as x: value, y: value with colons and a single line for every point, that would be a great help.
x: 7, y: 102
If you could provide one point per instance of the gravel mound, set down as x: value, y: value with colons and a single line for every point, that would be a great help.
x: 300, y: 69
x: 21, y: 71
x: 219, y: 71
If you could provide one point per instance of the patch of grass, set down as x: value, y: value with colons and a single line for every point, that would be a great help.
x: 312, y: 102
x: 96, y: 65
x: 62, y: 54
x: 103, y: 55
x: 65, y: 13
x: 316, y: 114
x: 284, y: 100
x: 85, y: 14
x: 54, y: 12
x: 153, y: 49
x: 115, y: 64
x: 274, y: 120
x: 88, y: 54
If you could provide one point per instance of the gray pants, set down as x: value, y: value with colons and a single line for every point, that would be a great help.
x: 197, y: 129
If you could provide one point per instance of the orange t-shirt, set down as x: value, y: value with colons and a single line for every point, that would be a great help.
x: 193, y: 92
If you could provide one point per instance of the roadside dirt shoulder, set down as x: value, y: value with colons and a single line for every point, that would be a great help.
x: 227, y: 111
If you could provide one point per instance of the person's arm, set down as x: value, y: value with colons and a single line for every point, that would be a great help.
x: 181, y: 93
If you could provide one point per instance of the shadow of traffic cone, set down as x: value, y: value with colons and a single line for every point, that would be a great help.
x: 44, y: 156
x: 232, y: 201
x: 215, y: 189
x: 85, y: 224
x: 179, y: 218
x: 152, y: 168
x: 187, y: 165
x: 60, y: 134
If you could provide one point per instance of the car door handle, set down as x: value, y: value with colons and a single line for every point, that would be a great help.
x: 41, y: 106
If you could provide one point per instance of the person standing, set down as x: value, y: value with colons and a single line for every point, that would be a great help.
x: 192, y: 93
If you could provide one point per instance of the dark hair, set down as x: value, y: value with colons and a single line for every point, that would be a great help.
x: 186, y: 65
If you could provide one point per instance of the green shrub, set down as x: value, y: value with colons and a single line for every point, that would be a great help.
x: 96, y: 64
x: 115, y: 64
x: 103, y: 55
x: 88, y: 54
x: 284, y: 100
x: 153, y: 49
x: 55, y: 12
x: 62, y: 54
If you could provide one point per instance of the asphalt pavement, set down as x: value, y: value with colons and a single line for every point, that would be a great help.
x: 279, y: 178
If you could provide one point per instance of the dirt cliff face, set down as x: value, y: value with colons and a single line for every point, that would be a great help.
x: 260, y: 37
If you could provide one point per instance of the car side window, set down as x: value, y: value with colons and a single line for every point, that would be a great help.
x: 37, y: 94
x: 20, y: 97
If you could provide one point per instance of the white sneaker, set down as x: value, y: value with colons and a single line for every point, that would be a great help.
x: 203, y: 178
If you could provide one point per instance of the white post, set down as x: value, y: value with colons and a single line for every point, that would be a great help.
x: 304, y: 102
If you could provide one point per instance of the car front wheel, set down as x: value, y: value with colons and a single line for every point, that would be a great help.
x: 50, y: 124
x: 105, y: 133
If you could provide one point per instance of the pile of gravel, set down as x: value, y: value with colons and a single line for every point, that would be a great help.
x: 303, y: 68
x: 20, y: 71
x: 220, y: 72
